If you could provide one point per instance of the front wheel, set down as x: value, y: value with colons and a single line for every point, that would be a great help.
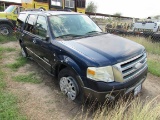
x: 5, y: 29
x: 69, y: 85
x: 24, y: 52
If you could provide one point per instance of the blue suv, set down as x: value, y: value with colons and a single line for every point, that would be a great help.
x: 86, y: 61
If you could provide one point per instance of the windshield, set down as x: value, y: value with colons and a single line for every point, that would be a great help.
x: 72, y: 25
x: 10, y: 9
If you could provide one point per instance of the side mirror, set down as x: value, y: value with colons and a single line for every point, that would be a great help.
x: 47, y: 37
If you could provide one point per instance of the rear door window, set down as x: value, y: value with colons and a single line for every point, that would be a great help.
x: 21, y: 19
x: 41, y: 26
x: 30, y: 23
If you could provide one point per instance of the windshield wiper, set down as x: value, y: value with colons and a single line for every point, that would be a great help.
x: 93, y: 32
x: 69, y: 35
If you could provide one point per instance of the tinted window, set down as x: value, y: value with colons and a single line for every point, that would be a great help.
x: 41, y: 26
x: 29, y: 26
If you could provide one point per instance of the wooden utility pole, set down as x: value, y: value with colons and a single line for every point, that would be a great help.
x: 75, y: 5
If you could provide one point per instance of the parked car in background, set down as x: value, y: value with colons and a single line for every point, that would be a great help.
x: 147, y: 26
x: 8, y: 19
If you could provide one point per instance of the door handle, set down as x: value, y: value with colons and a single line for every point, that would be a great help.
x: 34, y: 41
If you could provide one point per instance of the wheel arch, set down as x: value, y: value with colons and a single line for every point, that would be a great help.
x: 42, y: 9
x: 71, y: 65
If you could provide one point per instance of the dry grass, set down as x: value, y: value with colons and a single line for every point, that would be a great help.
x: 135, y: 109
x: 131, y: 110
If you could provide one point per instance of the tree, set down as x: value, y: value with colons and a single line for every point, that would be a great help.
x: 118, y: 16
x: 1, y: 8
x: 91, y: 7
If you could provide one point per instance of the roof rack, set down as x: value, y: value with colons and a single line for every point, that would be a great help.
x: 34, y: 10
x: 67, y: 10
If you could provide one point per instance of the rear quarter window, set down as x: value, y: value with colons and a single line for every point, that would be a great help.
x: 21, y: 19
x: 30, y: 23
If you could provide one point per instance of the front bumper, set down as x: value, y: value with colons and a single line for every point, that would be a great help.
x: 112, y: 94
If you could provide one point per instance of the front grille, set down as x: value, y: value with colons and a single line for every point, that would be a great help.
x: 129, y: 69
x: 132, y: 67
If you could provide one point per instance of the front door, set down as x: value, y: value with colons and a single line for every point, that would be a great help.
x: 15, y: 14
x: 42, y: 43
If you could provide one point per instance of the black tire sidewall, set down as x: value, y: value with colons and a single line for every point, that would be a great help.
x: 24, y: 49
x: 10, y: 30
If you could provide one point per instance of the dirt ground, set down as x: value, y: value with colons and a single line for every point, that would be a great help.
x: 44, y: 101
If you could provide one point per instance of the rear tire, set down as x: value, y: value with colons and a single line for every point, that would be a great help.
x: 41, y: 9
x: 6, y: 29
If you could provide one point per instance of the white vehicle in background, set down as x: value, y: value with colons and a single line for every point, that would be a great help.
x: 148, y: 25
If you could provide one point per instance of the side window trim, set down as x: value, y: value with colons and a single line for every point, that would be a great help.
x: 26, y: 22
x: 41, y: 37
x: 24, y: 27
x: 16, y: 11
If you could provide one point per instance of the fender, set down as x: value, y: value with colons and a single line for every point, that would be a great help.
x: 8, y: 22
x: 70, y: 63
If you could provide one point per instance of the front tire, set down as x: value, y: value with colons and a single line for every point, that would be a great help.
x: 6, y: 29
x: 69, y: 84
x: 24, y: 52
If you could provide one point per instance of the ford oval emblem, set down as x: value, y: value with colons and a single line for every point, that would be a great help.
x: 138, y: 65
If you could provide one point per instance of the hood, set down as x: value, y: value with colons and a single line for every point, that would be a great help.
x: 105, y: 49
x: 3, y: 14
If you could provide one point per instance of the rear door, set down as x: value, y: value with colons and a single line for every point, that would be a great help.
x: 28, y: 36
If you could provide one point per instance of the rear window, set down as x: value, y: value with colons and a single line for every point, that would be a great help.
x: 30, y: 22
x: 21, y: 19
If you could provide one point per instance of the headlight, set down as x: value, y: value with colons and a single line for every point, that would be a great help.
x: 100, y: 73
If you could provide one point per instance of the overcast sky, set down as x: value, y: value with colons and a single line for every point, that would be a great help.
x: 130, y: 8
